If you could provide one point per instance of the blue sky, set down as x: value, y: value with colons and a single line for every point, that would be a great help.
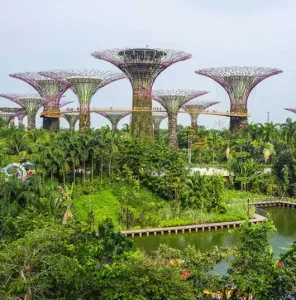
x: 61, y: 34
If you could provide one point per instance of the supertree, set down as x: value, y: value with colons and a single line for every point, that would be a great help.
x: 238, y: 83
x: 114, y: 117
x: 142, y: 66
x: 72, y: 118
x: 30, y: 103
x: 172, y: 101
x: 50, y: 89
x: 84, y: 83
x: 7, y: 114
x: 194, y: 108
x: 157, y: 119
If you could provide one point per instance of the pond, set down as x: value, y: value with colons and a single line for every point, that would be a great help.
x: 283, y: 218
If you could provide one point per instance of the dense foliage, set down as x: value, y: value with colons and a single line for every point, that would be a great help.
x: 58, y: 241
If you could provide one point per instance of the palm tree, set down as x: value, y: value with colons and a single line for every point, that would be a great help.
x: 288, y: 130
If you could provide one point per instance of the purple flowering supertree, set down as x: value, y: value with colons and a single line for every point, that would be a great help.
x: 50, y: 89
x: 172, y: 101
x: 194, y: 108
x: 157, y: 119
x: 84, y: 83
x: 114, y: 117
x: 30, y: 103
x: 142, y: 66
x: 72, y: 118
x: 238, y: 82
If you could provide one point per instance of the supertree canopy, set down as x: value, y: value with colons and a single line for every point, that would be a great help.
x: 114, y: 117
x: 30, y: 103
x: 72, y: 118
x: 194, y: 108
x: 157, y: 119
x: 293, y: 110
x: 142, y: 66
x: 238, y: 83
x: 84, y: 83
x: 47, y: 88
x: 172, y: 101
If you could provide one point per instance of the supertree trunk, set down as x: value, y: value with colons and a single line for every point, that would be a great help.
x: 156, y: 132
x: 114, y: 127
x: 194, y: 124
x: 142, y: 124
x: 51, y: 124
x: 31, y: 122
x: 173, y: 131
x: 238, y: 122
x: 84, y: 117
x: 21, y: 121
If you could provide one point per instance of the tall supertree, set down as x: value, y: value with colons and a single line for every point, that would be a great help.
x: 84, y: 83
x: 194, y: 108
x: 142, y: 66
x: 30, y: 103
x: 114, y: 117
x: 172, y: 101
x: 238, y: 83
x: 157, y: 119
x: 72, y: 118
x: 47, y: 88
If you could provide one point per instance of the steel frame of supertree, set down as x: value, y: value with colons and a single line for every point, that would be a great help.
x: 48, y: 89
x: 30, y: 102
x: 72, y: 118
x: 172, y: 101
x: 293, y: 110
x: 194, y: 108
x: 84, y: 83
x: 114, y: 117
x: 157, y: 118
x: 142, y: 66
x: 238, y: 82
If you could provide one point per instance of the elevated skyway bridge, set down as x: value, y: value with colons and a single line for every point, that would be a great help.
x: 56, y: 113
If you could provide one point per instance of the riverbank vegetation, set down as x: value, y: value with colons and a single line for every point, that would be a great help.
x: 59, y: 227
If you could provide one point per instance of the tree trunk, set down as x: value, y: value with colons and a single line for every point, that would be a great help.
x: 92, y: 167
x: 142, y: 124
x: 51, y: 124
x: 237, y: 122
x: 31, y: 122
x: 101, y: 171
x: 84, y: 119
x: 173, y: 133
x: 194, y: 124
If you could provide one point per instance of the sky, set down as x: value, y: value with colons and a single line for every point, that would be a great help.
x: 61, y: 34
